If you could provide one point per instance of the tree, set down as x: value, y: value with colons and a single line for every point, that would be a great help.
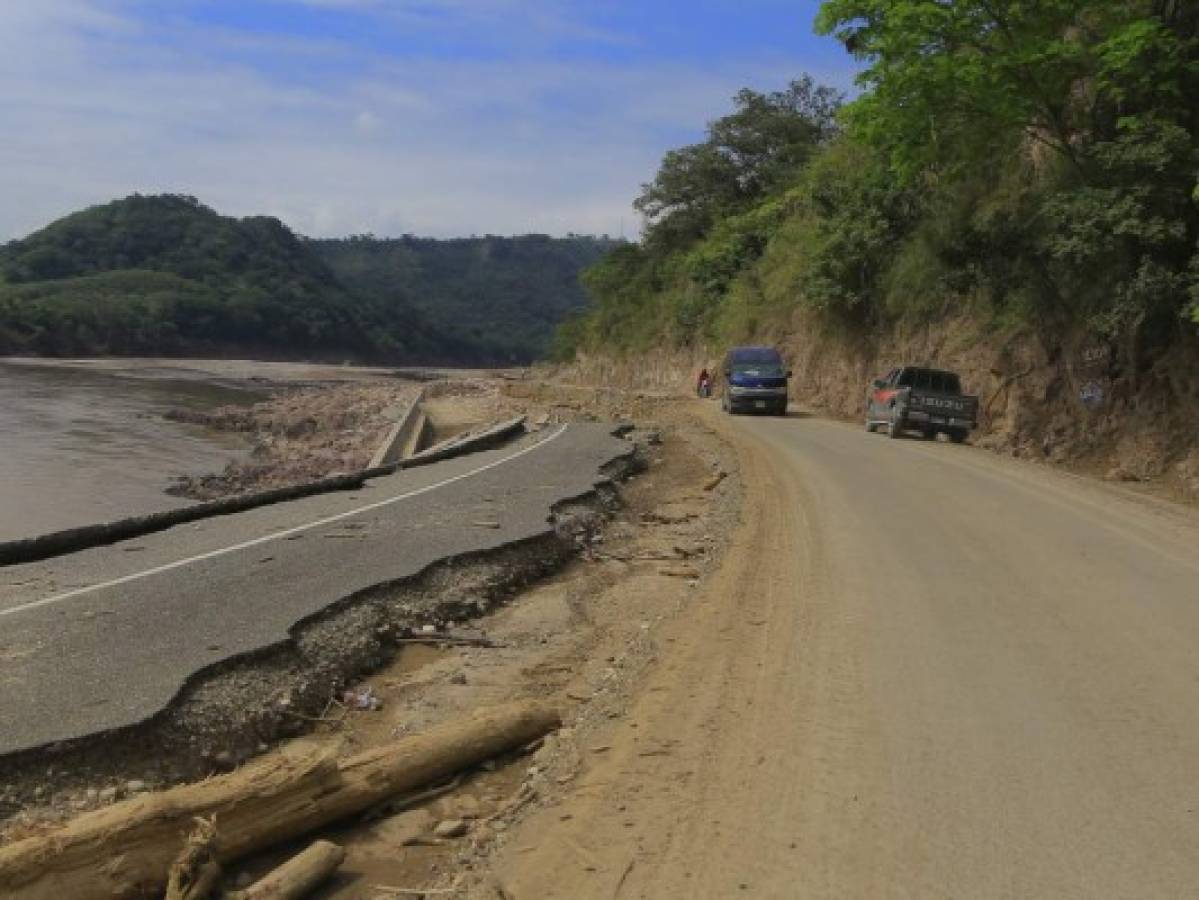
x: 947, y: 80
x: 746, y: 155
x: 772, y: 136
x: 694, y: 186
x: 1096, y: 96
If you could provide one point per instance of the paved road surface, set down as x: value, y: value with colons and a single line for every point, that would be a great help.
x: 107, y: 637
x: 923, y: 672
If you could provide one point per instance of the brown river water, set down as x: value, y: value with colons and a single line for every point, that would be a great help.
x: 79, y: 447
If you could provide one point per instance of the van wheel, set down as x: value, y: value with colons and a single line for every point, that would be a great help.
x: 929, y: 435
x: 895, y: 426
x: 870, y: 426
x: 957, y: 436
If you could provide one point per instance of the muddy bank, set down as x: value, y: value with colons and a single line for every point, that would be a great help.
x: 308, y: 432
x: 239, y: 373
x: 1101, y: 408
x: 299, y: 435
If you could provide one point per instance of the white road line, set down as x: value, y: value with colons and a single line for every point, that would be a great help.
x: 158, y: 570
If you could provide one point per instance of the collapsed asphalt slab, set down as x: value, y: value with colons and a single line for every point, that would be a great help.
x: 72, y: 540
x: 106, y: 639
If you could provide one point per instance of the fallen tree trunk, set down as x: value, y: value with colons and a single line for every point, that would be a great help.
x: 297, y: 877
x: 127, y: 849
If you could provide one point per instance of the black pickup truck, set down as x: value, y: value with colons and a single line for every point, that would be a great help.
x: 926, y: 400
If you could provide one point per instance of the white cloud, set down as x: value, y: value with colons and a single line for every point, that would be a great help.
x: 92, y: 109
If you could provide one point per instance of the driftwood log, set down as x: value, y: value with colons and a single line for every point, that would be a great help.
x: 127, y: 849
x: 297, y: 877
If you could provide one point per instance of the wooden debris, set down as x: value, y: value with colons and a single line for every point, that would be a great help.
x: 297, y: 877
x: 679, y: 573
x: 125, y: 850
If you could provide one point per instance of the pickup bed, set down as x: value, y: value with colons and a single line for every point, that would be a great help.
x: 926, y: 400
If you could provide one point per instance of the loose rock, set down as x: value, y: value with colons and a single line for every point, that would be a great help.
x: 450, y: 828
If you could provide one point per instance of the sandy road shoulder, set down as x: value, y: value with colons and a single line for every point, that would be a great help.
x: 701, y: 758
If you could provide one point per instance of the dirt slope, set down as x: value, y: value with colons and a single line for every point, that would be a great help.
x: 921, y: 671
x: 1105, y: 408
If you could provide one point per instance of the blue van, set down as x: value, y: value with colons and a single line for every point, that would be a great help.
x: 754, y: 379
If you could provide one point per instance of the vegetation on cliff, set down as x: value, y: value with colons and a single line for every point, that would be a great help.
x: 1027, y: 164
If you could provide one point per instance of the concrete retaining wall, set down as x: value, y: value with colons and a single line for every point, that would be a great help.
x: 406, y: 436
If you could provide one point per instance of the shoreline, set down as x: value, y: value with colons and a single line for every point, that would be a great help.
x: 285, y: 424
x: 298, y: 434
x: 242, y: 372
x: 80, y: 446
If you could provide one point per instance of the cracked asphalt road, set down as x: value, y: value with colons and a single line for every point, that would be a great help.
x: 106, y: 638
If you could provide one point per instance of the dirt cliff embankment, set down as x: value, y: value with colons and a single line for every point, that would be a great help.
x: 1092, y: 405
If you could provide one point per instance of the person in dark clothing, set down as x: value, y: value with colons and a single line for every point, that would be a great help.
x: 703, y: 387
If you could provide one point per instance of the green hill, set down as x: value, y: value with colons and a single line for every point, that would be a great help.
x: 503, y: 296
x: 166, y: 275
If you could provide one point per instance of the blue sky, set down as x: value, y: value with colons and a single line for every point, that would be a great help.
x: 438, y: 117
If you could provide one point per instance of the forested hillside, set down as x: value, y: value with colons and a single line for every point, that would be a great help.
x: 503, y: 296
x: 1029, y: 165
x: 166, y: 275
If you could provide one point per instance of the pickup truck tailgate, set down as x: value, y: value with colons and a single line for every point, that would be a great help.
x: 949, y: 406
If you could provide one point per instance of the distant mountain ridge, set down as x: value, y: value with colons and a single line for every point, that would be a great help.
x: 167, y: 275
x: 503, y: 296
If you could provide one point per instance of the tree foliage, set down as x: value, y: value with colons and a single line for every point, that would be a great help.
x: 1098, y: 95
x: 946, y: 80
x: 747, y: 154
x: 1030, y: 162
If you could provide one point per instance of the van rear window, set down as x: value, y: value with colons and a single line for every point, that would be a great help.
x: 757, y: 356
